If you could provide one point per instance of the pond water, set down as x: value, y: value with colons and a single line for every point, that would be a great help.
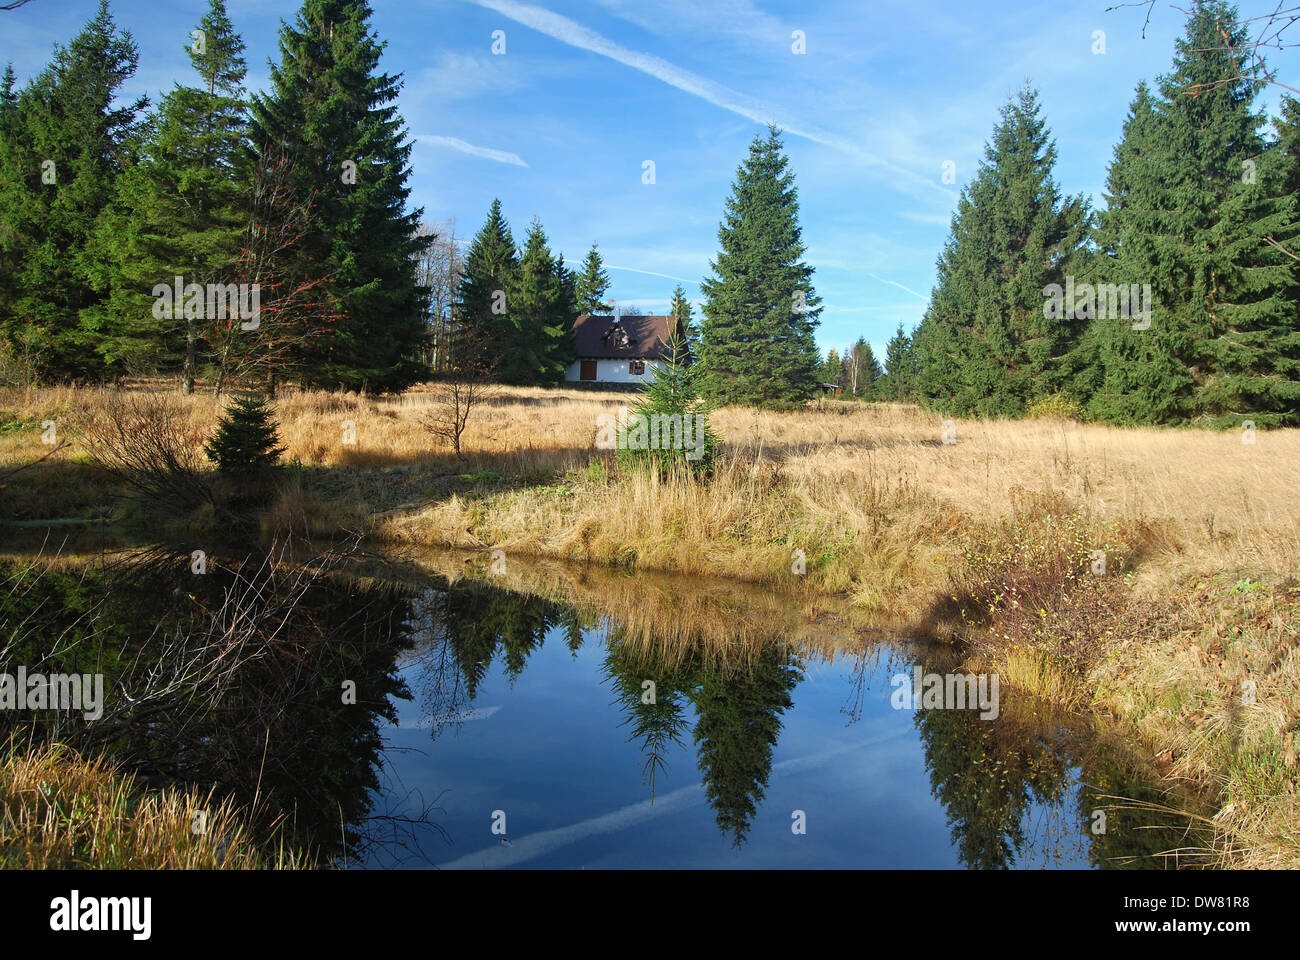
x: 573, y: 719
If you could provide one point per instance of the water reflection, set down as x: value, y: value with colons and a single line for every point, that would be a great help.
x: 275, y: 676
x: 263, y: 678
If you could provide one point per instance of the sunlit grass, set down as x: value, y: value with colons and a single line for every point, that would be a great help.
x: 60, y: 811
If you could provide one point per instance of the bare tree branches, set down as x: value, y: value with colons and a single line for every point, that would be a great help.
x: 147, y: 442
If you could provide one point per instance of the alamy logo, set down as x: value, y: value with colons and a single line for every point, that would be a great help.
x: 73, y: 913
x: 56, y: 691
x: 655, y: 431
x: 946, y: 691
x: 1106, y: 301
x: 216, y: 301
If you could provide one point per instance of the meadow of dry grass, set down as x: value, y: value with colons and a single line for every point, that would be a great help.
x: 868, y: 492
x: 884, y: 514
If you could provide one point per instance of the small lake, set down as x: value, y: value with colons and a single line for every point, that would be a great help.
x: 568, y: 718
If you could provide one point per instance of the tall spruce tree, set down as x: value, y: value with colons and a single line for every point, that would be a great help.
x: 534, y: 344
x: 1286, y: 153
x: 1130, y: 375
x: 1288, y: 143
x: 9, y: 253
x: 334, y: 115
x: 1223, y: 345
x: 592, y: 284
x: 756, y: 341
x: 984, y: 344
x: 179, y: 209
x: 68, y: 138
x: 563, y: 344
x: 487, y: 281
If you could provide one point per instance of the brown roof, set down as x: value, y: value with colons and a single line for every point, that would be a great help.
x: 598, y: 337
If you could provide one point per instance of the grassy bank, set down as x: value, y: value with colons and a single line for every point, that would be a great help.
x: 60, y: 811
x: 1148, y: 573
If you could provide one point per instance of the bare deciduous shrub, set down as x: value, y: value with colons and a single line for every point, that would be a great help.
x: 465, y: 384
x: 145, y: 440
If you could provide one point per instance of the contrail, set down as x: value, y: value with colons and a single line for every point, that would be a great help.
x: 487, y: 153
x: 538, y: 844
x: 650, y: 273
x: 576, y: 35
x: 894, y: 283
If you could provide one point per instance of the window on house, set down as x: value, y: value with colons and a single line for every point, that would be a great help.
x: 636, y: 368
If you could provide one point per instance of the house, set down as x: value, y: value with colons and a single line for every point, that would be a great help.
x: 619, y: 349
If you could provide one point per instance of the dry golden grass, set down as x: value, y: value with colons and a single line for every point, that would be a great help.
x: 869, y: 493
x: 1211, y: 679
x: 59, y: 811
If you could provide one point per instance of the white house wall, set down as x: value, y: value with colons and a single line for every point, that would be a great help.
x: 613, y: 371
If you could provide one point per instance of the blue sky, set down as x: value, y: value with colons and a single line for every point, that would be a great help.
x: 559, y: 126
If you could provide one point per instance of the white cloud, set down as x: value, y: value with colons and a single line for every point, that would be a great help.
x: 487, y: 153
x: 461, y: 76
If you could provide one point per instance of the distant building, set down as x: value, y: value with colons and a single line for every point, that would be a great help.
x: 619, y: 349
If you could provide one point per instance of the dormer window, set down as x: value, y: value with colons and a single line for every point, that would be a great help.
x: 616, y: 337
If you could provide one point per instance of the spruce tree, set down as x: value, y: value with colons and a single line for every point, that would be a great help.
x: 592, y: 284
x: 179, y: 209
x: 68, y: 138
x: 756, y: 341
x: 680, y: 311
x: 488, y: 278
x: 246, y: 443
x: 672, y: 396
x: 1286, y: 153
x: 534, y: 343
x: 1288, y: 145
x: 563, y: 344
x: 984, y: 344
x: 9, y: 254
x: 334, y: 114
x: 831, y: 369
x: 900, y: 382
x: 1128, y: 375
x: 1223, y: 345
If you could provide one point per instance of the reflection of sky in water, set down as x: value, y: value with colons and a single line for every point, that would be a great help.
x: 551, y: 752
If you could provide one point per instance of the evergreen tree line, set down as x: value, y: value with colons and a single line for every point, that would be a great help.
x: 1193, y: 265
x: 298, y: 194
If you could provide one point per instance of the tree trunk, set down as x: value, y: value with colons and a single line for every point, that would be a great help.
x: 187, y: 377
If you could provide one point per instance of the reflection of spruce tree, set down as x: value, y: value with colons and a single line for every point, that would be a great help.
x: 478, y: 619
x: 574, y: 626
x: 737, y: 731
x: 659, y: 725
x: 987, y: 781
